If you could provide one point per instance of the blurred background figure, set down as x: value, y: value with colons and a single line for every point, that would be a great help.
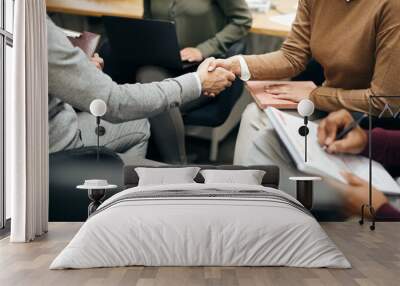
x: 205, y: 28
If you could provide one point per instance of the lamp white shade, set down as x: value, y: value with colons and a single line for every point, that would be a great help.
x: 305, y: 108
x: 98, y: 107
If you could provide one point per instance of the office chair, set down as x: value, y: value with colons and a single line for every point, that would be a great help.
x: 218, y: 117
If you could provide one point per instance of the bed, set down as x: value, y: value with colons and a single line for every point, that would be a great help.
x: 201, y: 224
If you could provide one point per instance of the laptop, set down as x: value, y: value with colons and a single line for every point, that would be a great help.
x: 145, y: 42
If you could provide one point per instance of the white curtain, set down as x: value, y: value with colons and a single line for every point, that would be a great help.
x: 27, y: 124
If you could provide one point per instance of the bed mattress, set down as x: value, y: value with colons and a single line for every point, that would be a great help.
x: 201, y: 225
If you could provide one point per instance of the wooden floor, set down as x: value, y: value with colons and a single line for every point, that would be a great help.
x: 375, y: 257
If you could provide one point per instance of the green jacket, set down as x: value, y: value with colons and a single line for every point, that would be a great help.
x: 210, y: 25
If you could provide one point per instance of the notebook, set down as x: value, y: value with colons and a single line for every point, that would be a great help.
x: 321, y: 163
x: 264, y: 100
x: 86, y: 41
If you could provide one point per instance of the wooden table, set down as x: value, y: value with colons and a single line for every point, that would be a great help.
x: 98, y: 8
x: 262, y: 23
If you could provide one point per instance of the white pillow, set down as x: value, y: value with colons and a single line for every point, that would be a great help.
x: 245, y: 177
x: 166, y: 176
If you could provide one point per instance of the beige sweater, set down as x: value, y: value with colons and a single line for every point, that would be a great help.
x: 356, y: 42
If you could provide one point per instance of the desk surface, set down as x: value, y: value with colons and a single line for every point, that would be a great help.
x: 262, y: 23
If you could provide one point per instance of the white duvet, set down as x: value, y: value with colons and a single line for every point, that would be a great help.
x: 200, y: 231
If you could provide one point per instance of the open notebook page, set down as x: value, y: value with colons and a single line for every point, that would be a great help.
x: 320, y: 162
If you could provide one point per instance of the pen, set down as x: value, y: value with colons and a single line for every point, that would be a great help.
x: 347, y: 130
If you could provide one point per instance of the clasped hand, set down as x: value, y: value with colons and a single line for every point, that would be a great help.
x: 215, y: 81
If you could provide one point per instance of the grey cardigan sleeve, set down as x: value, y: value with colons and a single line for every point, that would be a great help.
x: 76, y: 81
x: 238, y: 26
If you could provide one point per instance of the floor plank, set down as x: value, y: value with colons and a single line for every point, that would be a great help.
x: 375, y: 257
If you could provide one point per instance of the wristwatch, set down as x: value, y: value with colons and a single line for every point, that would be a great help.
x: 244, y: 70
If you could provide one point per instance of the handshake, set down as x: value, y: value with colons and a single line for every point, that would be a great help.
x: 216, y: 74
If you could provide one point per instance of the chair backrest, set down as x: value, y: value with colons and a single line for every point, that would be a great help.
x: 70, y: 168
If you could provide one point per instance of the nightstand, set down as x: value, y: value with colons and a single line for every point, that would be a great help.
x: 304, y: 190
x: 96, y: 192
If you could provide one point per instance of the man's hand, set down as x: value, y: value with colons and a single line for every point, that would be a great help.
x: 353, y: 143
x: 97, y: 61
x: 231, y: 64
x: 295, y: 93
x: 191, y: 55
x: 214, y: 82
x: 356, y: 194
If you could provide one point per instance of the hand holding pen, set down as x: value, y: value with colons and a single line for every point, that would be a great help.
x: 340, y: 133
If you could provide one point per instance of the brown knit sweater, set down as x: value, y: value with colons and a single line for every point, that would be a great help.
x: 356, y: 41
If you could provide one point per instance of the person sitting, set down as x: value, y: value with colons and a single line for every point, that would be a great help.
x: 205, y: 28
x: 355, y: 70
x: 74, y: 82
x: 385, y: 151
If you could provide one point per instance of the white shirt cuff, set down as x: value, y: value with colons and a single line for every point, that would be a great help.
x: 244, y: 69
x: 196, y: 75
